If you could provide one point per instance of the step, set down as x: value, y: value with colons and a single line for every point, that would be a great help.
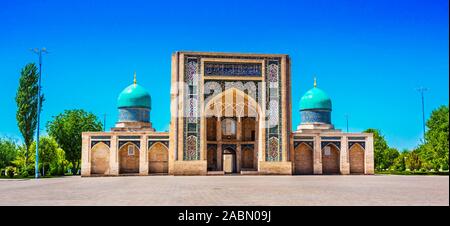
x: 215, y: 173
x: 249, y: 172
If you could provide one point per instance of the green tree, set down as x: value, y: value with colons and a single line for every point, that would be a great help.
x: 67, y: 128
x: 380, y: 149
x: 400, y: 162
x: 427, y: 157
x: 413, y: 161
x: 57, y: 166
x: 26, y: 100
x: 436, y: 150
x: 8, y: 152
x: 49, y: 152
x: 24, y: 167
x: 390, y: 155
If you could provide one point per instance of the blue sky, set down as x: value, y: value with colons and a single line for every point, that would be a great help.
x: 368, y: 55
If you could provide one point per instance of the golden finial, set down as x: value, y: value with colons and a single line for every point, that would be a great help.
x: 315, y: 82
x: 135, y: 81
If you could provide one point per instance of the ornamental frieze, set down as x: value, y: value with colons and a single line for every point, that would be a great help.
x: 232, y: 69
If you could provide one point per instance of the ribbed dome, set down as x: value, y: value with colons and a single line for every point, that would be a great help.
x: 315, y: 98
x: 134, y: 96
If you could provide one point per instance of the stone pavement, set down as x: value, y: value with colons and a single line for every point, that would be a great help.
x: 228, y: 190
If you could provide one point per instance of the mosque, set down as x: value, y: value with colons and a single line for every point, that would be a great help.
x: 230, y: 114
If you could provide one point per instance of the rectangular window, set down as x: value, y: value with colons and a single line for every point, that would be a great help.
x: 327, y: 151
x: 274, y: 95
x: 192, y: 127
x: 130, y: 150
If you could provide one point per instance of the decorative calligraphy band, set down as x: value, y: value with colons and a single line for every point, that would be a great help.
x: 232, y: 69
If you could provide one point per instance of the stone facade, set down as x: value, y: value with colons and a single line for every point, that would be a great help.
x: 230, y: 113
x: 127, y: 153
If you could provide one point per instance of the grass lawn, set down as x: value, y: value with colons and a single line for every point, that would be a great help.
x: 393, y: 172
x: 32, y: 177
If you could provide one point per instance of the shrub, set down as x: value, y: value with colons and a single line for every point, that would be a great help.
x: 8, y: 152
x: 10, y: 171
x: 56, y: 170
x: 61, y: 170
x: 24, y: 173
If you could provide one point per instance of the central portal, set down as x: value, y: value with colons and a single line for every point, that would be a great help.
x: 239, y: 101
x: 232, y: 132
x: 229, y: 161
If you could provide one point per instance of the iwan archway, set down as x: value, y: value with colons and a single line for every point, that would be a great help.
x: 232, y: 131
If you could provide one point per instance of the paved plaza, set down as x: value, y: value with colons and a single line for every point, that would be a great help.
x: 228, y: 190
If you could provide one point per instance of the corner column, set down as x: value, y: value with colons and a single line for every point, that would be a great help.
x: 261, y: 142
x: 369, y: 156
x: 256, y: 147
x: 317, y: 155
x: 114, y: 157
x: 143, y: 156
x: 174, y: 102
x: 284, y: 127
x: 238, y: 146
x: 344, y: 157
x: 239, y: 129
x: 219, y: 143
x: 238, y: 158
x: 85, y: 156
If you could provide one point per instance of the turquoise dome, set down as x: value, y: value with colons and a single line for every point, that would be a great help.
x: 315, y: 98
x: 134, y: 96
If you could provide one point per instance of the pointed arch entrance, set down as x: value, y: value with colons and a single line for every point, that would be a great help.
x: 158, y: 158
x: 357, y: 156
x: 129, y: 158
x: 330, y: 159
x: 100, y: 159
x: 303, y: 159
x: 248, y: 158
x: 232, y: 118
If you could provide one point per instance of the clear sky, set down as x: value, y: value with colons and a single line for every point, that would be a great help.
x: 368, y: 55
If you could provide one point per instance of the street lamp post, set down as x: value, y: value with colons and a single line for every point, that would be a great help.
x: 39, y: 52
x: 104, y: 122
x: 421, y: 91
x: 346, y: 119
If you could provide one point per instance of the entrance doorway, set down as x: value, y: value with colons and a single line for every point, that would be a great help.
x: 356, y: 159
x: 330, y: 160
x: 212, y: 157
x: 129, y: 158
x: 229, y: 161
x: 247, y: 158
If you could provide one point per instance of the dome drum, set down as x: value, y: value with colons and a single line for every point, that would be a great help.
x: 134, y: 115
x: 316, y: 116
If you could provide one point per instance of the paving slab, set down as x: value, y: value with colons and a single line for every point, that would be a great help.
x: 384, y: 190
